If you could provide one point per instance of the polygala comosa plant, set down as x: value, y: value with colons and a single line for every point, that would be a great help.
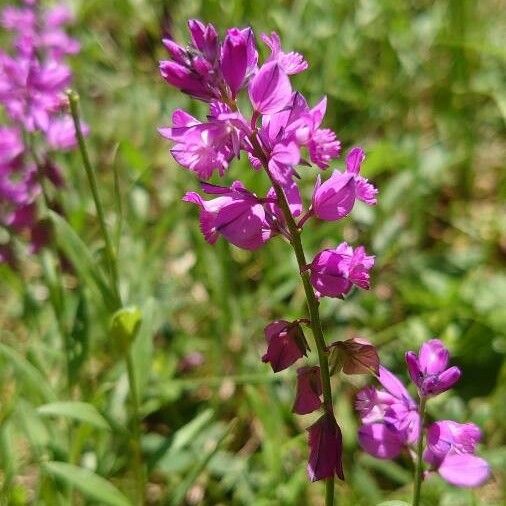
x: 279, y: 131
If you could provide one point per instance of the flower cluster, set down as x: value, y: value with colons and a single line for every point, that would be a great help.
x: 392, y: 421
x: 33, y: 77
x: 278, y: 131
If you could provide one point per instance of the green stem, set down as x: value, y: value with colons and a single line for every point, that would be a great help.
x: 419, y: 453
x: 90, y: 173
x: 140, y: 478
x: 138, y: 465
x: 311, y: 300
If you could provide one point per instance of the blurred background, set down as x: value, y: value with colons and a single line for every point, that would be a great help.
x: 420, y: 85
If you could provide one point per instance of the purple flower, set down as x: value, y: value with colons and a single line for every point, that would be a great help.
x: 429, y: 370
x: 291, y: 63
x: 309, y: 389
x: 193, y: 70
x: 334, y: 271
x: 202, y: 147
x: 334, y: 199
x: 296, y: 122
x: 61, y: 135
x: 281, y: 164
x: 188, y: 80
x: 204, y: 38
x: 365, y: 191
x: 325, y: 449
x: 450, y: 451
x: 390, y: 417
x: 238, y: 58
x: 235, y: 213
x: 270, y: 90
x: 285, y: 344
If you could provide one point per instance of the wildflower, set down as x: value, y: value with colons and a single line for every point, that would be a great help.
x: 238, y: 58
x: 450, y: 451
x: 235, y: 213
x: 309, y: 389
x: 270, y: 90
x: 325, y: 449
x: 202, y: 147
x: 335, y: 271
x: 32, y: 83
x: 291, y: 63
x: 334, y: 199
x: 390, y: 417
x: 285, y: 344
x: 429, y: 370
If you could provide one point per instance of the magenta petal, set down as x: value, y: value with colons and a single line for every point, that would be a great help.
x: 413, y: 367
x: 433, y: 357
x: 379, y: 440
x: 354, y: 160
x: 464, y: 470
x: 270, y: 90
x: 334, y: 199
x: 392, y: 384
x: 234, y: 58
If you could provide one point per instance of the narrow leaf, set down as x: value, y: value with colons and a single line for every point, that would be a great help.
x: 81, y: 411
x: 88, y: 483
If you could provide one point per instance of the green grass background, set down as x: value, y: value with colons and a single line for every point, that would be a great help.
x: 420, y: 85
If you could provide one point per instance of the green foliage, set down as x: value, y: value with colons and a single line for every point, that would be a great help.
x: 420, y: 86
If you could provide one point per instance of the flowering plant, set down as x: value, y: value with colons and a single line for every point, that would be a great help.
x: 392, y: 421
x: 33, y: 78
x: 279, y: 131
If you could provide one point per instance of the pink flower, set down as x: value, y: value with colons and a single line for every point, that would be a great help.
x: 390, y: 417
x: 202, y: 147
x: 296, y: 122
x: 325, y: 449
x: 429, y: 369
x: 334, y: 198
x: 334, y: 271
x: 309, y: 389
x: 285, y: 344
x: 270, y: 90
x: 238, y: 58
x: 450, y: 451
x: 61, y: 135
x: 235, y: 213
x: 365, y: 191
x: 291, y: 63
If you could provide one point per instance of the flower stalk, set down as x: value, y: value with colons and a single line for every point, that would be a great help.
x: 138, y: 464
x: 417, y: 487
x: 311, y: 301
x: 73, y: 98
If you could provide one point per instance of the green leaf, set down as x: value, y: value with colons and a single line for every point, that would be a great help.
x: 81, y: 411
x: 27, y: 373
x: 81, y: 258
x: 90, y: 484
x: 393, y: 503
